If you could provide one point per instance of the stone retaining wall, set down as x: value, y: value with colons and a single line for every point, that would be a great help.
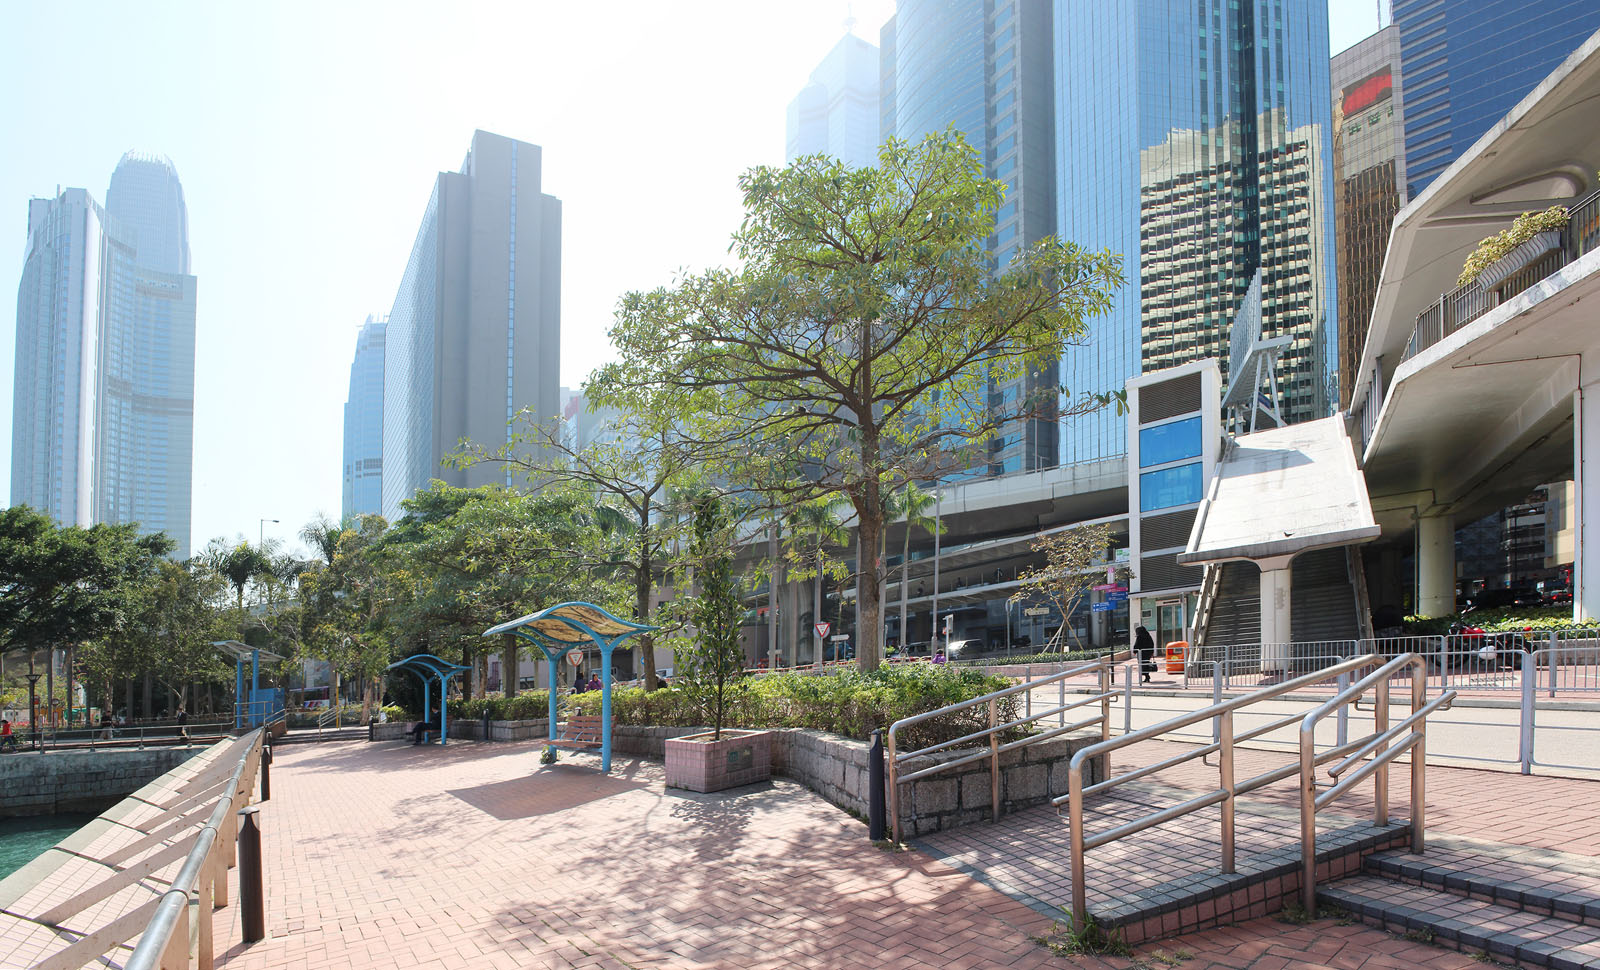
x: 81, y: 780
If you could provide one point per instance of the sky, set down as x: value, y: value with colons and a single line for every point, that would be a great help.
x: 308, y: 135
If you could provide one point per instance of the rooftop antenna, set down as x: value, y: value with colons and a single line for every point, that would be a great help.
x: 850, y: 17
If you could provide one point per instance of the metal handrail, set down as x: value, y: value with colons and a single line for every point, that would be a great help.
x: 196, y: 884
x: 1229, y: 788
x: 1100, y: 665
x: 1383, y: 746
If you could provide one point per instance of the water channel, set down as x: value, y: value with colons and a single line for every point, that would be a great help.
x: 23, y: 838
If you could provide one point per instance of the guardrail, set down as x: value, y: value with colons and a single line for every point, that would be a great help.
x: 991, y: 733
x: 1229, y: 788
x: 174, y: 929
x: 137, y: 736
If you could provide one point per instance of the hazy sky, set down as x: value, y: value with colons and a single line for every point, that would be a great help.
x: 307, y: 137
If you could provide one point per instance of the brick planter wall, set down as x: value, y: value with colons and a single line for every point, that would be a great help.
x: 698, y: 763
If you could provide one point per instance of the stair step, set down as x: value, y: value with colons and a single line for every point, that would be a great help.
x: 1534, y: 880
x: 1469, y: 925
x: 310, y: 736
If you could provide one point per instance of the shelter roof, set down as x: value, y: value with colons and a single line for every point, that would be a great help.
x: 243, y: 651
x: 571, y: 623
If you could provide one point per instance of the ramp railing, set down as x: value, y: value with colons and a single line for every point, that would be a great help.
x: 990, y: 735
x: 1380, y: 747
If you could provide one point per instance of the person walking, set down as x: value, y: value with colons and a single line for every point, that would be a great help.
x: 1145, y: 646
x: 8, y: 741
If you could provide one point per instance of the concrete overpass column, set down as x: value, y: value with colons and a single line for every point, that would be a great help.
x: 1586, y: 558
x: 1275, y: 630
x: 1436, y: 565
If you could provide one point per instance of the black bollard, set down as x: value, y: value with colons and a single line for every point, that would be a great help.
x: 266, y: 773
x: 876, y: 821
x: 252, y: 890
x: 485, y: 724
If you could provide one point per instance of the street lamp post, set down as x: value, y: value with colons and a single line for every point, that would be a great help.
x: 261, y: 534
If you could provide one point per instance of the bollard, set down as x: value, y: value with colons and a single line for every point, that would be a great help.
x: 876, y: 822
x: 485, y: 724
x: 252, y: 891
x: 372, y: 727
x: 266, y: 773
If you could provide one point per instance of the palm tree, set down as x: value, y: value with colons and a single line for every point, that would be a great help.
x: 911, y: 504
x: 240, y: 565
x: 322, y: 534
x: 818, y: 522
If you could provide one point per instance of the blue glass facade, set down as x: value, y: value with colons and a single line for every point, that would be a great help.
x: 409, y: 370
x: 1193, y: 137
x: 1465, y: 63
x: 363, y: 426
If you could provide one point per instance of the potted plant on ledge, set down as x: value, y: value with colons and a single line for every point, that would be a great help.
x: 709, y: 666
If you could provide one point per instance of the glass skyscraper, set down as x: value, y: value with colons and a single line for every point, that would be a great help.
x: 1194, y: 138
x: 480, y: 298
x: 836, y: 113
x: 985, y: 68
x: 1465, y: 63
x: 103, y: 407
x: 363, y: 425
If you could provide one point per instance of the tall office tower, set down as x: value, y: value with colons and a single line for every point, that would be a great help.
x: 1193, y: 138
x: 1465, y: 63
x: 103, y: 408
x: 837, y: 112
x: 1369, y: 182
x: 984, y: 66
x: 480, y: 298
x: 363, y: 425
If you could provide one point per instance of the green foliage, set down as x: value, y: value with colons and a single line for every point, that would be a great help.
x: 1071, y: 656
x: 710, y: 660
x: 1524, y: 228
x: 851, y: 703
x: 1512, y: 619
x: 859, y: 334
x: 530, y: 705
x: 1090, y: 939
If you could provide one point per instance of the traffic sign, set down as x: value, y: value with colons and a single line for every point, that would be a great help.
x: 1036, y: 611
x: 841, y: 636
x: 575, y: 658
x: 823, y: 628
x: 1100, y: 607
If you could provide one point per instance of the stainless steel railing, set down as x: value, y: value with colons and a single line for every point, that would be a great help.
x: 1229, y: 787
x: 1100, y: 667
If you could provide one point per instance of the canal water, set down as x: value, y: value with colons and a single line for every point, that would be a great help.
x: 21, y: 839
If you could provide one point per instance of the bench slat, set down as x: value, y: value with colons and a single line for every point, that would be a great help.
x: 582, y: 731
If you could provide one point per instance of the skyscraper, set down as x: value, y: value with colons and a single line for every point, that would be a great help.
x: 103, y: 407
x: 480, y: 298
x: 1193, y: 138
x: 837, y: 112
x: 363, y: 425
x: 1369, y: 182
x: 1465, y: 63
x: 985, y: 68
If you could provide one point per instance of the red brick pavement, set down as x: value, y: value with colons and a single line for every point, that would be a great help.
x: 474, y: 856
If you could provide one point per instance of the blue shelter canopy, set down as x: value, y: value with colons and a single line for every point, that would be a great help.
x: 253, y: 709
x: 556, y: 630
x: 431, y: 670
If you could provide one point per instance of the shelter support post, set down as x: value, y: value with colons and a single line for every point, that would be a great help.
x: 606, y: 646
x: 1586, y: 501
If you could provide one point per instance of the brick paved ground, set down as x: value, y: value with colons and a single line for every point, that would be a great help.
x: 473, y: 856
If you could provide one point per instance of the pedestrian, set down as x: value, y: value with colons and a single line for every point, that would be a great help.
x: 8, y: 741
x: 579, y: 685
x: 1145, y: 646
x: 594, y: 682
x: 419, y: 729
x: 183, y: 723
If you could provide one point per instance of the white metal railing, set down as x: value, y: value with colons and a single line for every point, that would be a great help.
x: 197, y: 825
x: 990, y: 734
x: 1229, y: 788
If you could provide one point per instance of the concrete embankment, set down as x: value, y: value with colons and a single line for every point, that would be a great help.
x: 81, y: 780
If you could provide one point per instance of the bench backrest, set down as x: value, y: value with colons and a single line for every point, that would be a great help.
x: 583, y: 727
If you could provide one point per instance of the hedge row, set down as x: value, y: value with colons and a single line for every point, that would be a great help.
x: 850, y: 703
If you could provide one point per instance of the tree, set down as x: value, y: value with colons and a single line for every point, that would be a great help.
x: 711, y: 660
x: 344, y: 604
x: 1073, y: 562
x: 911, y: 504
x: 631, y: 473
x: 854, y: 345
x: 240, y: 564
x: 813, y: 527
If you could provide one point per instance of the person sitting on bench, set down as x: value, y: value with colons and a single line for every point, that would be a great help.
x: 420, y: 729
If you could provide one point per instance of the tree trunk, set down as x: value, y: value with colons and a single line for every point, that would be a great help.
x: 772, y: 595
x: 508, y: 667
x: 818, y: 642
x: 148, y: 698
x: 905, y: 580
x: 869, y: 580
x: 641, y: 600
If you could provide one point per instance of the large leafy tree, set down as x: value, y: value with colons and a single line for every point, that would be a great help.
x: 854, y: 344
x: 631, y: 473
x: 345, y: 599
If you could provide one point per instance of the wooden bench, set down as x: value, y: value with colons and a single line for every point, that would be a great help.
x: 581, y: 733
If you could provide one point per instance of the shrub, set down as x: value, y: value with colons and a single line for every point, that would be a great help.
x: 850, y: 703
x: 1512, y: 619
x: 1526, y: 226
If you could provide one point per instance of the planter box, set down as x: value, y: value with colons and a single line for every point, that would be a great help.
x: 698, y: 763
x: 1497, y: 272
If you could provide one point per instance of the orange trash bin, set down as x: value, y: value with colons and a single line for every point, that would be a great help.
x: 1175, y: 651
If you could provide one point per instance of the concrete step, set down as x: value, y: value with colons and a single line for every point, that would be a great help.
x: 1466, y: 924
x: 1538, y: 881
x: 311, y: 735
